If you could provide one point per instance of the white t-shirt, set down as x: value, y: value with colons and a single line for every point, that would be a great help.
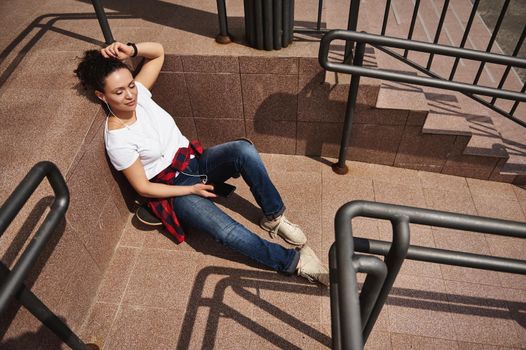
x: 153, y: 138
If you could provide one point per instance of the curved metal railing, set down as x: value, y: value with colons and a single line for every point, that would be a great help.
x: 381, y: 42
x: 350, y: 329
x: 13, y: 284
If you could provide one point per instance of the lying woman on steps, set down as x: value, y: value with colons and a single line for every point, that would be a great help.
x: 143, y: 141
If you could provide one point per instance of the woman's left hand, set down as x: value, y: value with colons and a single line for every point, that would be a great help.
x: 117, y: 50
x: 203, y: 190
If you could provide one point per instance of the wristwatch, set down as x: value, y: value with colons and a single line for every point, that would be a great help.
x: 135, y: 51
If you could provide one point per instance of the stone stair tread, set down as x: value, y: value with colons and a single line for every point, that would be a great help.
x: 485, y: 141
x: 514, y: 140
x: 448, y: 113
x: 334, y: 78
x: 446, y: 124
x: 445, y: 115
x: 514, y: 166
x: 394, y: 95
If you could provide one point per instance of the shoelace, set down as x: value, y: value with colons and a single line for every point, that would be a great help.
x: 309, y: 278
x: 273, y: 232
x: 312, y: 278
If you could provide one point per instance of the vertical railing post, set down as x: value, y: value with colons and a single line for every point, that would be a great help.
x: 386, y: 17
x: 318, y: 20
x: 350, y: 323
x: 223, y: 37
x: 412, y: 26
x: 103, y: 21
x: 352, y: 24
x: 438, y: 32
x: 516, y: 104
x: 393, y: 260
x: 465, y: 37
x: 335, y: 303
x: 376, y: 271
x: 508, y: 68
x: 340, y: 167
x: 492, y: 39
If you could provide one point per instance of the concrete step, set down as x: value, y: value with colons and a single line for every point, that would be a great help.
x: 478, y: 133
x: 514, y: 144
x: 395, y: 95
x: 445, y: 124
x: 450, y: 113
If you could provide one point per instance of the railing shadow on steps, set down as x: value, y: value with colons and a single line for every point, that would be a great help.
x: 12, y: 284
x: 418, y: 15
x: 353, y: 315
x: 381, y: 42
x: 36, y: 30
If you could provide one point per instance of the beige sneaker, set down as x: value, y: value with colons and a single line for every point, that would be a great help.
x: 282, y: 227
x: 311, y: 268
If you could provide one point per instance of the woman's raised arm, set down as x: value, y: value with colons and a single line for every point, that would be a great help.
x: 152, y: 52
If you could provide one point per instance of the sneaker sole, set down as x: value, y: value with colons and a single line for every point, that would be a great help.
x: 145, y: 221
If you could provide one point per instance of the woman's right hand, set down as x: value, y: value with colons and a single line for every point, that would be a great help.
x: 203, y: 190
x: 117, y: 50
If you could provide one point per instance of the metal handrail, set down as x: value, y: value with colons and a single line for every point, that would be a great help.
x: 13, y: 285
x: 357, y: 71
x: 343, y: 267
x: 103, y: 21
x: 377, y: 40
x: 353, y: 22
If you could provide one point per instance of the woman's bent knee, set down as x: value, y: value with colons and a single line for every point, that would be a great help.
x: 245, y: 150
x: 243, y: 146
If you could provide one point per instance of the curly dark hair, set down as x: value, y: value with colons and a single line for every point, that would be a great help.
x: 94, y: 68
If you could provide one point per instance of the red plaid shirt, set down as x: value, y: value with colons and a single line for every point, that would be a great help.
x: 162, y: 207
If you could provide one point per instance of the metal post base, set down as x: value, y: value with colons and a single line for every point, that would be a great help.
x: 339, y: 170
x: 223, y: 39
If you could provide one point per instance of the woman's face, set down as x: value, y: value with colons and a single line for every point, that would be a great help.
x: 120, y: 91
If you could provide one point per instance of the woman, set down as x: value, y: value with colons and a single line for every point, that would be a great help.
x: 143, y: 142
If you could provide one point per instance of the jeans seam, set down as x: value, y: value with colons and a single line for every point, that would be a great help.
x: 276, y: 214
x: 293, y: 263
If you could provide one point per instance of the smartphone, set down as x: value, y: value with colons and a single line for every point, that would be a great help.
x: 223, y: 189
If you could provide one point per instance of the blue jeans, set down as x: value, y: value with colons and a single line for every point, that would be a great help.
x: 220, y: 163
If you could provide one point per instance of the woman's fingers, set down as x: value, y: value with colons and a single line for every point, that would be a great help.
x: 121, y: 50
x: 106, y: 52
x: 112, y: 50
x: 205, y: 193
x: 205, y: 190
x: 125, y: 48
x: 208, y: 187
x: 209, y: 194
x: 115, y: 50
